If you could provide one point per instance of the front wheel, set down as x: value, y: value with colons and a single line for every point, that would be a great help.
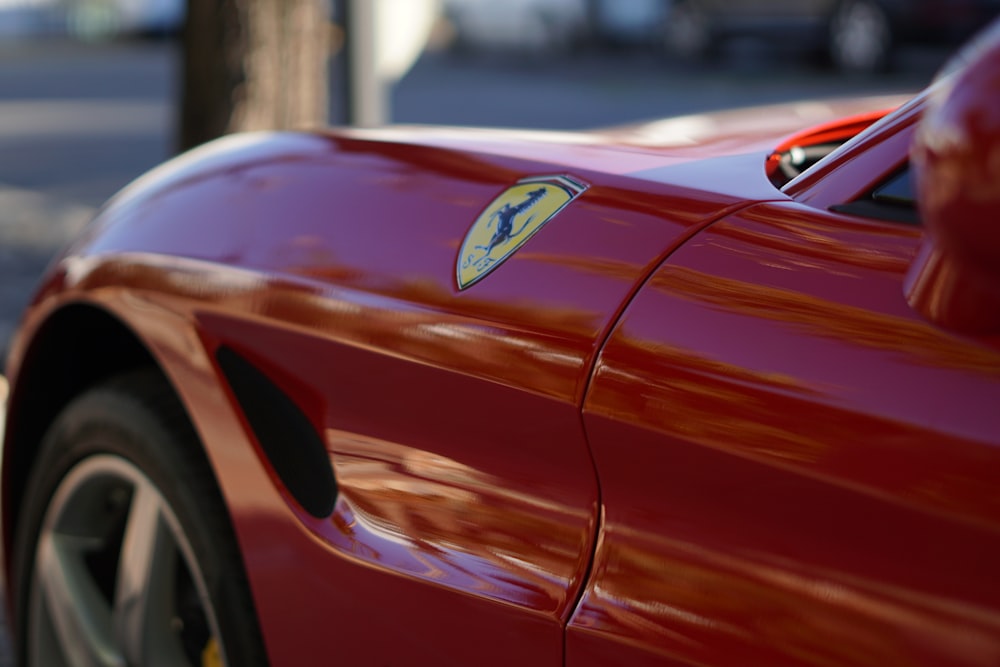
x: 860, y: 39
x: 125, y: 544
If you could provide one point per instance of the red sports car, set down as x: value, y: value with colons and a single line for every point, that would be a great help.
x: 713, y: 391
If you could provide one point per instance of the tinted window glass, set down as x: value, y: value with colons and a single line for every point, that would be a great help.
x: 897, y: 191
x: 892, y: 200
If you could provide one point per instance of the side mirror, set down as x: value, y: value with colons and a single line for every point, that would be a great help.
x: 955, y: 281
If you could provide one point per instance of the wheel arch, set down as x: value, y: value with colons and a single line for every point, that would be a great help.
x: 77, y: 347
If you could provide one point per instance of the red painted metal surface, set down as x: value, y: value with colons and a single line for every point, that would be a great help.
x: 796, y: 469
x: 956, y: 280
x: 468, y: 502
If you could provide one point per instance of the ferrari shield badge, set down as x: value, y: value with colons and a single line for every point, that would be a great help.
x: 510, y: 220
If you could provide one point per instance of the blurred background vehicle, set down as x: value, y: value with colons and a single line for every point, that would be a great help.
x: 553, y: 25
x: 517, y: 25
x: 853, y: 35
x: 627, y: 22
x: 90, y: 19
x: 130, y: 17
x: 856, y: 35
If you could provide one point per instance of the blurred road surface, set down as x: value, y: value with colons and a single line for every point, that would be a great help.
x: 79, y: 121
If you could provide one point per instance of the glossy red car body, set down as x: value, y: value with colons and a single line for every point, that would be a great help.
x: 694, y: 420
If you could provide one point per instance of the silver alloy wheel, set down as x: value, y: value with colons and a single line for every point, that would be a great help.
x: 860, y: 36
x: 124, y: 609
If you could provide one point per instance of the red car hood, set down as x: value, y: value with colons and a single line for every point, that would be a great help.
x: 632, y: 149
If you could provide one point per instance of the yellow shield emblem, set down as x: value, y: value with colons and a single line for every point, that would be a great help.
x: 510, y: 220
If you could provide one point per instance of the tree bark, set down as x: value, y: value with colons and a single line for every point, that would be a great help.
x: 253, y: 65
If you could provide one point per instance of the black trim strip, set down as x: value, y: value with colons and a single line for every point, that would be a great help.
x: 867, y: 208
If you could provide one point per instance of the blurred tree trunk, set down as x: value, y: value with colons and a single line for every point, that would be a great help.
x: 253, y: 65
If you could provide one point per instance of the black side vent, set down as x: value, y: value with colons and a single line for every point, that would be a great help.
x: 286, y: 435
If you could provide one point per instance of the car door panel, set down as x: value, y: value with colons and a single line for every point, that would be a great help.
x: 795, y: 468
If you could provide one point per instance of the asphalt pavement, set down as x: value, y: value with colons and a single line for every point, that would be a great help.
x: 79, y: 121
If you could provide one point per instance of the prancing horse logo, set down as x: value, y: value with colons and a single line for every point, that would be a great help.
x: 505, y: 225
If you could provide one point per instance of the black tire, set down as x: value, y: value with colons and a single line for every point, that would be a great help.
x: 121, y: 465
x: 860, y: 37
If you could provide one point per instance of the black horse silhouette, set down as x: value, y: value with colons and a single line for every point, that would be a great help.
x: 504, y: 217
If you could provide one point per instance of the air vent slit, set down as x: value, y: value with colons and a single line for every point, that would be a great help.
x: 288, y: 439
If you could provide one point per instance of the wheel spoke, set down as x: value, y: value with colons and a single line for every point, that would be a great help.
x: 146, y: 576
x: 79, y: 614
x: 115, y: 581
